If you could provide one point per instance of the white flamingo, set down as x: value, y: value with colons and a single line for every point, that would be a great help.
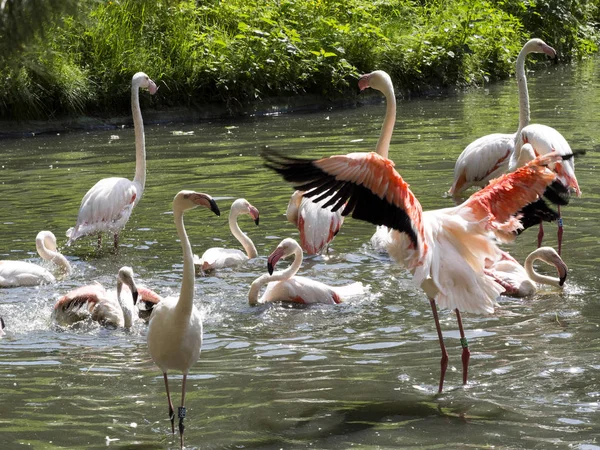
x: 22, y: 273
x: 285, y: 286
x: 488, y: 157
x: 519, y: 281
x: 175, y: 329
x: 446, y: 250
x: 93, y: 302
x: 218, y: 257
x: 108, y: 204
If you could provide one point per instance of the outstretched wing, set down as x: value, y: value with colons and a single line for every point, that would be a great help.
x: 365, y: 184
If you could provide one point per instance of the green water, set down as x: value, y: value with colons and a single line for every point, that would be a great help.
x: 362, y: 374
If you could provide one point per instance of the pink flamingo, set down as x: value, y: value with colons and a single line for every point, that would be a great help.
x: 175, y: 329
x: 218, y: 257
x: 446, y: 250
x: 488, y: 157
x: 108, y: 204
x: 285, y: 286
x: 519, y: 281
x: 23, y: 273
x: 94, y: 302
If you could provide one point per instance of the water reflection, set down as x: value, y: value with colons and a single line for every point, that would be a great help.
x: 363, y: 373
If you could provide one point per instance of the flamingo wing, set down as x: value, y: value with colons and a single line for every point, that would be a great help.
x: 481, y: 161
x: 147, y: 301
x: 365, y: 184
x: 23, y: 273
x: 78, y: 304
x: 106, y: 207
x: 300, y: 290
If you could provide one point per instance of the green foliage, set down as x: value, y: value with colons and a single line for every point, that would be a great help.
x: 239, y: 51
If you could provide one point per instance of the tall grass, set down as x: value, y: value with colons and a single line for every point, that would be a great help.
x: 238, y: 51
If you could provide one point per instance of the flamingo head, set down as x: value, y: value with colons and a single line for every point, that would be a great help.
x: 125, y: 277
x: 185, y: 200
x: 286, y: 248
x: 376, y: 80
x: 243, y: 206
x: 45, y: 239
x: 141, y: 80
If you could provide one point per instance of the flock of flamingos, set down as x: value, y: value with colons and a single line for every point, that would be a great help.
x: 452, y: 253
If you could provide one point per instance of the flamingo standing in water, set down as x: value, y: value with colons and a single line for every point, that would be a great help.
x: 285, y: 286
x: 488, y: 157
x: 519, y: 281
x: 218, y: 257
x: 175, y: 329
x: 108, y: 204
x: 93, y: 302
x: 446, y: 250
x: 22, y: 273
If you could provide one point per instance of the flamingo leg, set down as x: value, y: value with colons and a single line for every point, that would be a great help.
x: 466, y: 353
x: 171, y: 410
x: 540, y: 235
x: 116, y: 241
x: 181, y: 410
x: 444, y: 360
x: 560, y: 231
x: 99, y: 241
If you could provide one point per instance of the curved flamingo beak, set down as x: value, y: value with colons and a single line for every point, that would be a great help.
x: 253, y: 213
x: 363, y: 82
x: 134, y: 294
x: 562, y: 269
x: 273, y: 258
x: 214, y: 207
x: 549, y: 51
x: 152, y: 88
x: 2, y: 326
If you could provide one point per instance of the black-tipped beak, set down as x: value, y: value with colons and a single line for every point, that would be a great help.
x: 256, y: 220
x: 561, y: 280
x: 2, y: 323
x: 214, y: 208
x: 270, y: 268
x: 134, y: 294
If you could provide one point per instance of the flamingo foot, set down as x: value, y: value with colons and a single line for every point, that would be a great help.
x: 541, y: 235
x: 466, y: 355
x: 172, y: 417
x: 181, y: 415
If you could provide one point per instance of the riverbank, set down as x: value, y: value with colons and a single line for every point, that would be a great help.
x: 240, y: 53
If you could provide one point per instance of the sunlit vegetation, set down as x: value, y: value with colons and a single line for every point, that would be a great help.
x: 234, y: 52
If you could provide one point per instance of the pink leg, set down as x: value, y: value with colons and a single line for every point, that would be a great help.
x: 560, y: 232
x: 171, y: 411
x: 466, y: 354
x: 540, y: 235
x: 444, y: 360
x: 181, y: 410
x: 116, y: 241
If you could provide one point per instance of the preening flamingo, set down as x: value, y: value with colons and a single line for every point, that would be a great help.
x: 218, y: 257
x: 93, y: 302
x: 175, y: 329
x: 22, y: 273
x: 108, y: 204
x: 519, y: 281
x: 285, y: 286
x: 446, y: 250
x: 488, y: 157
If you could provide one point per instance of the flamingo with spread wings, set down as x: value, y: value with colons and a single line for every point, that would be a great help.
x: 446, y: 250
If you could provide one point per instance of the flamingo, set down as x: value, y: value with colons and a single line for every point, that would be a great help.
x: 175, y: 329
x: 217, y: 257
x: 22, y: 273
x: 446, y: 250
x: 285, y: 286
x: 108, y: 308
x: 147, y: 301
x: 488, y: 157
x: 108, y: 204
x: 519, y: 281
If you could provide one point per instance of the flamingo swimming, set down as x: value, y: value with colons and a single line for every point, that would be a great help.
x: 519, y: 281
x: 108, y: 204
x: 175, y: 329
x: 285, y: 286
x: 488, y: 157
x: 218, y: 257
x: 93, y: 302
x: 22, y: 273
x: 446, y: 250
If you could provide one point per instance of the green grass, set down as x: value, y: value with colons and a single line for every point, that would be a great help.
x: 239, y: 51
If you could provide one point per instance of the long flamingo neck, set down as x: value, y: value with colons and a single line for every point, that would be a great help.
x: 241, y: 236
x: 140, y: 140
x: 54, y: 257
x: 383, y: 144
x: 538, y: 278
x: 127, y: 306
x: 186, y: 295
x: 523, y: 92
x: 280, y: 275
